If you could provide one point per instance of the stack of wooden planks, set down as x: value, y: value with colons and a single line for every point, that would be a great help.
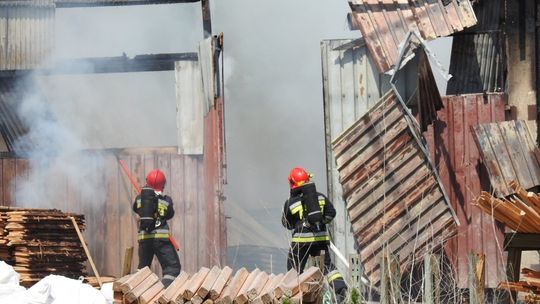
x: 5, y: 250
x: 520, y: 212
x: 43, y: 242
x: 220, y: 285
x: 531, y: 284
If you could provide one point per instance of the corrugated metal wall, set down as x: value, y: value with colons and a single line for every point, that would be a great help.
x: 454, y: 152
x: 198, y: 224
x: 478, y: 61
x: 351, y: 87
x: 26, y: 33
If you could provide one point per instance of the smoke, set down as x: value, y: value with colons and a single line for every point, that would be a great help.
x: 274, y: 106
x: 55, y: 157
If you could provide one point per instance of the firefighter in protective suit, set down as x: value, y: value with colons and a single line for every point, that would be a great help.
x: 306, y: 213
x: 154, y: 209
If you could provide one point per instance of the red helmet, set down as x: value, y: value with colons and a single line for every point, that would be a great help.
x: 298, y: 177
x: 156, y: 180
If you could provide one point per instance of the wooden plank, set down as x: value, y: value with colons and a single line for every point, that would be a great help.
x: 267, y: 295
x: 528, y: 150
x: 230, y: 292
x: 516, y: 154
x: 220, y: 283
x: 179, y: 293
x: 136, y: 292
x: 118, y: 283
x: 288, y: 285
x: 135, y: 280
x: 195, y: 283
x: 257, y: 285
x: 8, y: 174
x: 242, y: 297
x: 209, y: 282
x: 128, y: 258
x: 309, y: 279
x: 191, y: 217
x: 152, y: 293
x: 169, y: 294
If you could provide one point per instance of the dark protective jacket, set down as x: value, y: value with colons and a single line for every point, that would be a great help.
x: 294, y: 218
x: 165, y: 211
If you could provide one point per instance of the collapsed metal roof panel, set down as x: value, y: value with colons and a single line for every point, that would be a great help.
x: 394, y: 199
x: 384, y: 24
x: 509, y: 153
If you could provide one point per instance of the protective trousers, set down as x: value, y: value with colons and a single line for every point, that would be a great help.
x: 300, y: 252
x: 166, y: 255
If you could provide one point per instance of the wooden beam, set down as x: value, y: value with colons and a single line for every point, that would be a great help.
x: 136, y: 292
x: 257, y: 285
x: 220, y: 283
x: 208, y: 282
x: 288, y: 284
x: 169, y: 294
x: 230, y: 292
x: 128, y: 258
x: 151, y: 293
x: 242, y: 298
x: 135, y: 279
x: 523, y: 241
x: 118, y: 283
x: 83, y: 242
x: 195, y: 283
x: 476, y: 278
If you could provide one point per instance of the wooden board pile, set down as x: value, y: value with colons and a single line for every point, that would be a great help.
x: 220, y: 286
x: 520, y: 212
x: 5, y: 250
x: 44, y: 242
x: 531, y: 284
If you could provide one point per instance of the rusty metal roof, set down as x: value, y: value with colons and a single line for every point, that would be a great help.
x: 385, y: 24
x: 509, y: 153
x: 395, y: 201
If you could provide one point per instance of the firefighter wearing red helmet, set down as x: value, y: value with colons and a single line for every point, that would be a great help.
x: 306, y: 213
x: 154, y: 209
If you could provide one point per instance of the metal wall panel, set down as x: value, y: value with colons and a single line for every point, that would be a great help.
x: 11, y: 126
x: 452, y: 148
x: 111, y: 225
x: 395, y: 202
x: 385, y: 24
x: 510, y: 154
x: 190, y: 107
x: 351, y: 87
x: 26, y: 34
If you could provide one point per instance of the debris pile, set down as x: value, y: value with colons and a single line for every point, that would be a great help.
x: 219, y: 285
x: 520, y: 212
x: 42, y: 242
x: 531, y: 284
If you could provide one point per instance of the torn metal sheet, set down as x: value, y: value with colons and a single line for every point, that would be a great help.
x: 509, y: 153
x: 394, y: 198
x: 385, y: 24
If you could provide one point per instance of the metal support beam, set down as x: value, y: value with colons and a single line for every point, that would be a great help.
x: 120, y: 64
x: 95, y: 3
x: 207, y: 18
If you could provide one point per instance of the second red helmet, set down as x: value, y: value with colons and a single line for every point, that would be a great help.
x: 156, y: 180
x: 298, y: 176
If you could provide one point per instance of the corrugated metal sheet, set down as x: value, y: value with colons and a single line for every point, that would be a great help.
x: 198, y: 224
x: 477, y: 64
x: 11, y: 126
x: 26, y: 34
x: 384, y: 24
x: 351, y: 86
x: 395, y: 202
x: 87, y: 3
x: 488, y: 14
x: 452, y: 148
x: 509, y: 153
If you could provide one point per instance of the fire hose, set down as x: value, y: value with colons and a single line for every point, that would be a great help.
x: 138, y: 191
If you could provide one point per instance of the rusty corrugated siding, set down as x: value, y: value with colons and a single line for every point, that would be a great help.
x: 457, y: 158
x: 111, y: 226
x: 395, y: 202
x: 26, y: 33
x: 509, y: 154
x: 385, y: 24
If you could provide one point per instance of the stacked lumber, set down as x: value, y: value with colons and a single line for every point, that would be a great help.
x: 44, y: 242
x: 220, y: 286
x: 520, y: 212
x: 5, y: 250
x: 531, y: 284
